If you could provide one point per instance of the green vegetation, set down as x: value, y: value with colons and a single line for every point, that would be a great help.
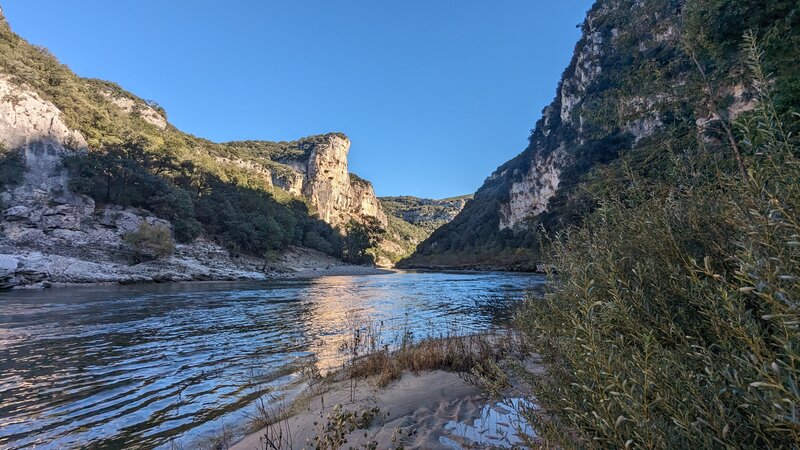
x: 412, y: 220
x: 149, y: 242
x: 424, y: 213
x: 361, y: 240
x: 276, y: 151
x: 677, y: 62
x: 223, y: 190
x: 405, y: 237
x: 671, y: 319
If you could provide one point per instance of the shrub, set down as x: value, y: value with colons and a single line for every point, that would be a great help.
x: 672, y: 321
x: 360, y: 240
x: 150, y: 242
x: 313, y: 240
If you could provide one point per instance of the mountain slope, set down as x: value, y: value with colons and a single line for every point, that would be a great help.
x: 644, y: 74
x: 424, y: 212
x: 85, y: 164
x: 411, y: 220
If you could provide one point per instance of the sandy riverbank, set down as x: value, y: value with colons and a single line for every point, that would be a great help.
x: 431, y: 410
x: 418, y: 397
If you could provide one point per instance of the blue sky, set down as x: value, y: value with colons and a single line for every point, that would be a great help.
x: 434, y: 94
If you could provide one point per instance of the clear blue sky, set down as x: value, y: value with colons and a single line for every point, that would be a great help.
x: 434, y: 94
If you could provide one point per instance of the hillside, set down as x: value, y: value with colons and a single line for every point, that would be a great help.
x: 647, y: 78
x: 92, y: 172
x: 427, y: 213
x: 411, y: 220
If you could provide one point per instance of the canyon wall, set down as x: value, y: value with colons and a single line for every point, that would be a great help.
x: 643, y: 74
x: 336, y: 195
x: 55, y: 126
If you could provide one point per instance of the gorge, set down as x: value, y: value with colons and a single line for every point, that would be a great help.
x: 85, y: 163
x: 258, y: 295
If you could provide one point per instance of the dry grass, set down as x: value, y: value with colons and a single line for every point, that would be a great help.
x: 474, y: 356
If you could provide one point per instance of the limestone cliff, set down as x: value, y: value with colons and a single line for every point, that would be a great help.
x: 429, y: 213
x: 633, y: 85
x: 316, y: 169
x: 336, y: 195
x: 63, y: 136
x: 33, y: 129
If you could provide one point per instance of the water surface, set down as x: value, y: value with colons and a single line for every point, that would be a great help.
x: 155, y: 365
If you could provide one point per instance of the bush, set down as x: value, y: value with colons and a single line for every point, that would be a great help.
x: 360, y: 241
x: 149, y: 242
x: 313, y: 240
x: 672, y: 321
x: 186, y: 229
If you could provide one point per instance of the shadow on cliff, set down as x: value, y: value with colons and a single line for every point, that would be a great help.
x: 12, y: 168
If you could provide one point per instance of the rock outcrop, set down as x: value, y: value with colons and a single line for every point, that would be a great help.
x: 424, y: 211
x: 319, y: 174
x: 632, y: 87
x: 336, y: 195
x: 51, y: 234
x: 32, y: 128
x: 137, y: 108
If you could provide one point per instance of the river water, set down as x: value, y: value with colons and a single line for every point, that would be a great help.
x: 169, y: 365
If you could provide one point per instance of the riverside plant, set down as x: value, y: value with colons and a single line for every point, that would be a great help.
x: 474, y: 356
x: 673, y: 319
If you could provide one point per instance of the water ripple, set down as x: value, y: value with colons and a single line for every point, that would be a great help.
x: 139, y: 366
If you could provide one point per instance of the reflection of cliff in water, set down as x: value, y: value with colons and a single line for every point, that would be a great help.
x: 137, y: 366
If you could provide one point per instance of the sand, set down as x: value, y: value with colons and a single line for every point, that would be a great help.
x: 299, y: 262
x: 431, y: 410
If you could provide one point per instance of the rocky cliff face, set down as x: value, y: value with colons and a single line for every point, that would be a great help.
x: 632, y: 84
x: 324, y: 179
x: 50, y: 233
x: 32, y: 128
x: 424, y: 211
x: 316, y: 169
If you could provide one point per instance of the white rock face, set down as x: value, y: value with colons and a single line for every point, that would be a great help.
x: 143, y: 110
x: 328, y: 186
x: 33, y: 127
x: 27, y: 120
x: 529, y: 196
x: 289, y: 181
x: 325, y: 181
x: 586, y: 71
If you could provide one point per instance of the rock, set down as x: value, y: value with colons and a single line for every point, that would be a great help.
x: 530, y: 195
x: 8, y: 264
x: 137, y: 107
x: 424, y: 211
x: 18, y: 213
x: 335, y: 195
x: 121, y: 219
x: 323, y: 179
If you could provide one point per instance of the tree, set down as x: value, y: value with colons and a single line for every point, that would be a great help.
x: 149, y: 242
x: 359, y: 238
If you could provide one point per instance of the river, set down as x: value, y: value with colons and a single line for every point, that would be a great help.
x: 151, y: 366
